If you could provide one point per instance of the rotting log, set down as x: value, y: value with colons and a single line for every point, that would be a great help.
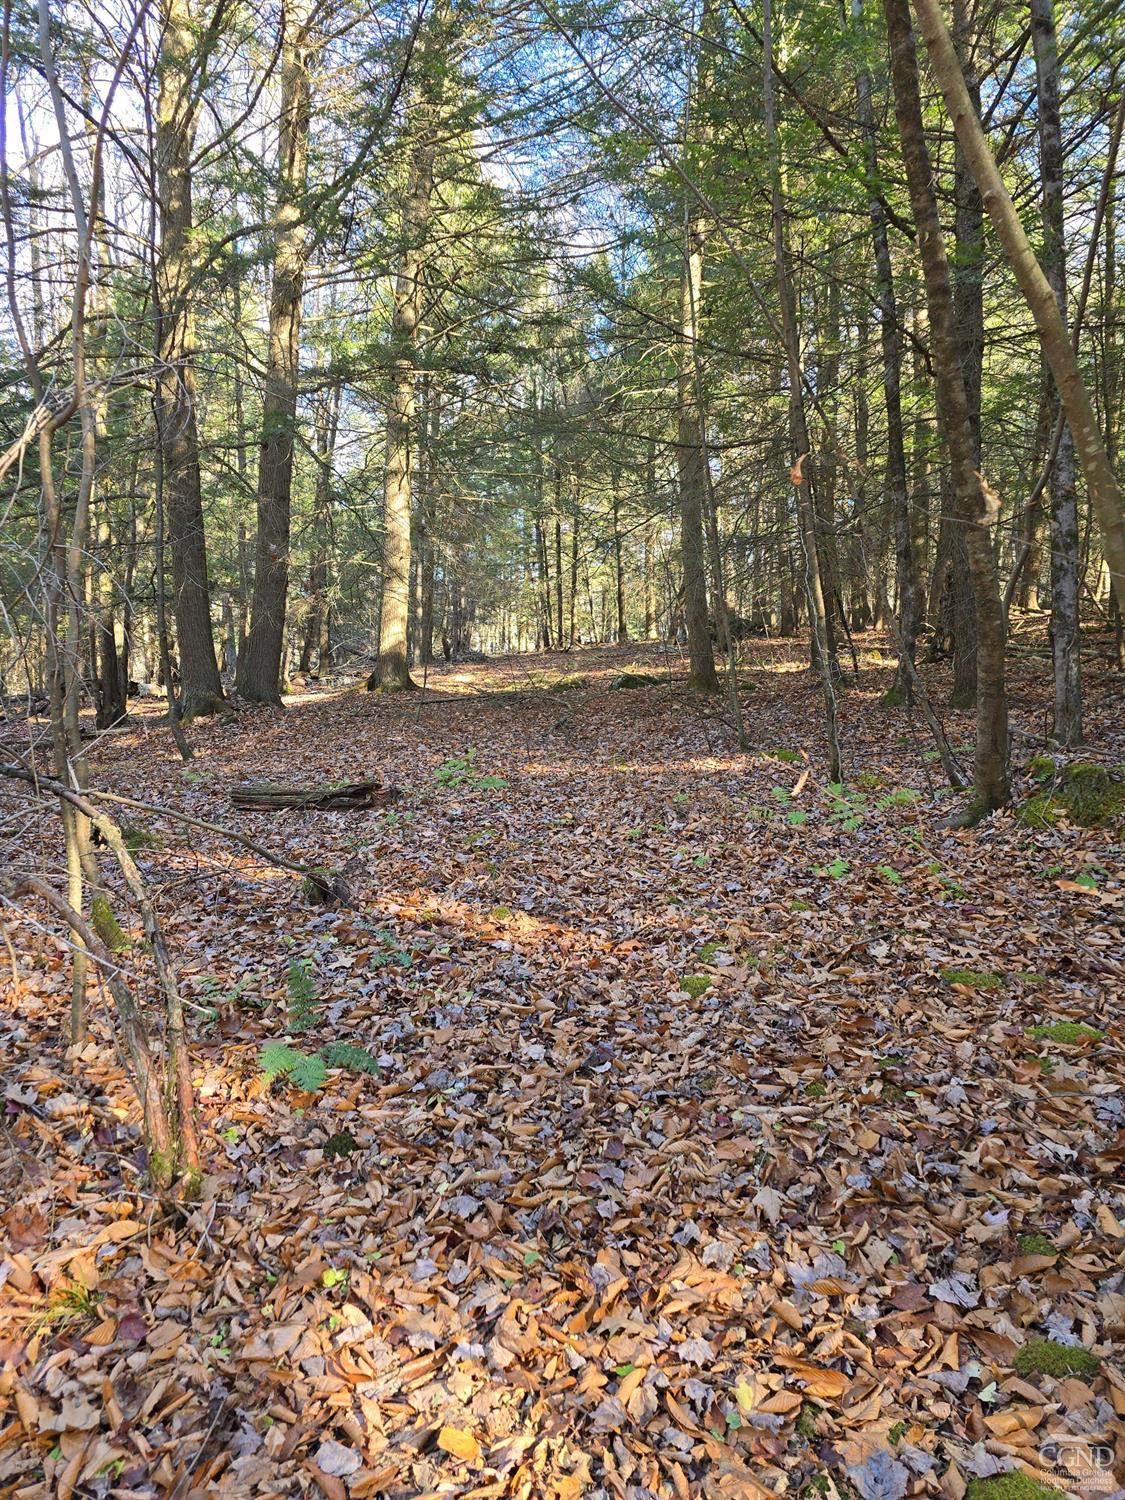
x: 345, y: 796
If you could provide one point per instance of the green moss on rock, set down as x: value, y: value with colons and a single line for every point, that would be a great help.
x: 1048, y: 1357
x: 1081, y: 792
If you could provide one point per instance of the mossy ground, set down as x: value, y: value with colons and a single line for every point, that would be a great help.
x: 1013, y: 1486
x: 975, y: 979
x: 695, y: 984
x: 1066, y: 1033
x: 1081, y: 793
x: 1047, y: 1357
x: 1036, y: 1244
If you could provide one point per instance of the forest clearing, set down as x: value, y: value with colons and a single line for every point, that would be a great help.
x: 562, y: 754
x: 699, y: 1128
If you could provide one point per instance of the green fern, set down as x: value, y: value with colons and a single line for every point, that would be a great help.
x: 309, y: 1072
x: 300, y: 983
x: 278, y: 1058
x: 355, y: 1059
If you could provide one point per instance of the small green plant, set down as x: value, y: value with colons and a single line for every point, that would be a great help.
x: 354, y: 1059
x: 73, y: 1303
x: 1048, y: 1357
x: 342, y: 1144
x: 901, y: 796
x: 816, y: 1089
x: 790, y: 757
x: 307, y: 1070
x: 1035, y: 1244
x: 461, y: 770
x: 837, y: 868
x: 333, y: 1277
x: 1066, y: 1033
x: 707, y: 952
x: 805, y: 1424
x: 974, y: 979
x: 137, y: 838
x: 890, y: 874
x: 799, y: 905
x: 300, y: 986
x: 896, y: 1433
x: 695, y: 984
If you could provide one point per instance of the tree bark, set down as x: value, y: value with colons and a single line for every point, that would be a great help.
x: 1064, y: 497
x: 819, y: 622
x: 990, y: 771
x: 1038, y: 293
x: 392, y: 672
x: 259, y: 664
x: 175, y: 393
x: 316, y: 628
x: 690, y: 460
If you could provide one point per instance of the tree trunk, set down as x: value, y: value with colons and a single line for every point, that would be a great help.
x: 259, y: 664
x: 1064, y: 498
x: 174, y: 400
x: 619, y: 567
x: 890, y: 338
x: 392, y: 673
x: 1038, y: 293
x: 690, y: 460
x: 819, y: 622
x: 990, y: 776
x: 327, y: 422
x: 574, y: 560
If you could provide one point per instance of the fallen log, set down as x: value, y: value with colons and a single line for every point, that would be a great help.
x: 346, y: 796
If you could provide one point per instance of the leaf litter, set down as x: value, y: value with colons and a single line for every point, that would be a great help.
x: 573, y: 1227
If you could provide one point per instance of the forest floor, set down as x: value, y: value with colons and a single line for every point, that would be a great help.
x: 694, y: 1139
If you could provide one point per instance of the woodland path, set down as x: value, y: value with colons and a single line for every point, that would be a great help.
x: 705, y: 1129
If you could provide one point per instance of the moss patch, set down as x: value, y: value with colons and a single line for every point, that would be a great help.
x: 1036, y: 1244
x: 975, y: 979
x: 1067, y: 1033
x: 626, y: 680
x: 1013, y: 1486
x: 573, y: 684
x: 1081, y: 792
x: 1041, y: 812
x: 695, y: 984
x: 106, y: 925
x: 1047, y: 1357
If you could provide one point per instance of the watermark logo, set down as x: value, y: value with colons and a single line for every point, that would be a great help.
x: 1080, y: 1463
